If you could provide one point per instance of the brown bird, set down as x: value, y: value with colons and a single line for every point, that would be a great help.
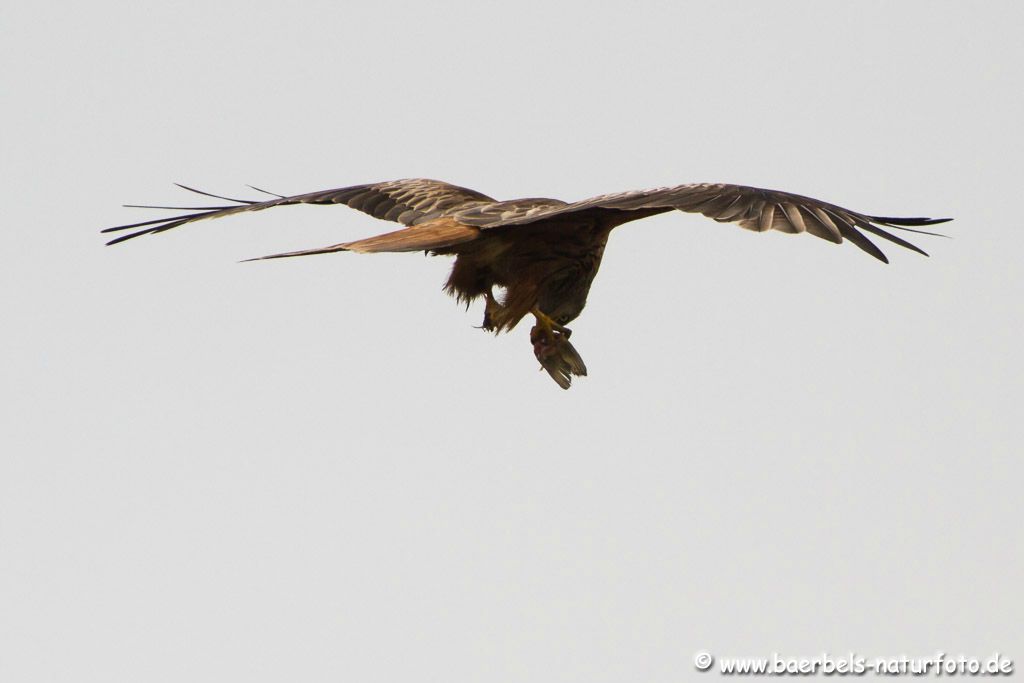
x: 544, y: 253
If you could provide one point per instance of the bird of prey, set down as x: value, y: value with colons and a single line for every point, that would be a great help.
x: 542, y: 254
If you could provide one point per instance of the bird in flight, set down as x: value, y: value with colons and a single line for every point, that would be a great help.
x: 542, y: 254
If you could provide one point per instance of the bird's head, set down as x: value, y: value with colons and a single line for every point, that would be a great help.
x: 564, y: 304
x: 566, y: 310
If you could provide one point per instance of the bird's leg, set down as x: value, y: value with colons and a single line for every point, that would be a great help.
x: 492, y: 311
x: 549, y: 326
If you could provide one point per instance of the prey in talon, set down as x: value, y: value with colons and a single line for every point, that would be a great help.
x: 555, y: 352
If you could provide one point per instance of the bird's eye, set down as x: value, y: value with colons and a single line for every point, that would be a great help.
x: 563, y: 319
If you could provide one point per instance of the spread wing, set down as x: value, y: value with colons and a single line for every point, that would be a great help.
x: 409, y: 202
x: 751, y: 207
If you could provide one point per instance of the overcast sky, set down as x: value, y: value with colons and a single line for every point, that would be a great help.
x: 317, y: 469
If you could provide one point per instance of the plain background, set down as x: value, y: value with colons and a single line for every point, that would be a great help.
x: 317, y: 470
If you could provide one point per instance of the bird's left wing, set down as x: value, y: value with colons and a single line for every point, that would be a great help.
x: 752, y: 208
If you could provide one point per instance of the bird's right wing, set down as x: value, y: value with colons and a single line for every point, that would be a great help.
x: 409, y: 202
x: 752, y: 208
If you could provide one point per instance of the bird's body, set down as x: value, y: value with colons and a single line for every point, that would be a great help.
x: 550, y: 265
x: 545, y: 253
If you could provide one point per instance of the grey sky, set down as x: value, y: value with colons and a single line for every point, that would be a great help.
x: 316, y: 469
